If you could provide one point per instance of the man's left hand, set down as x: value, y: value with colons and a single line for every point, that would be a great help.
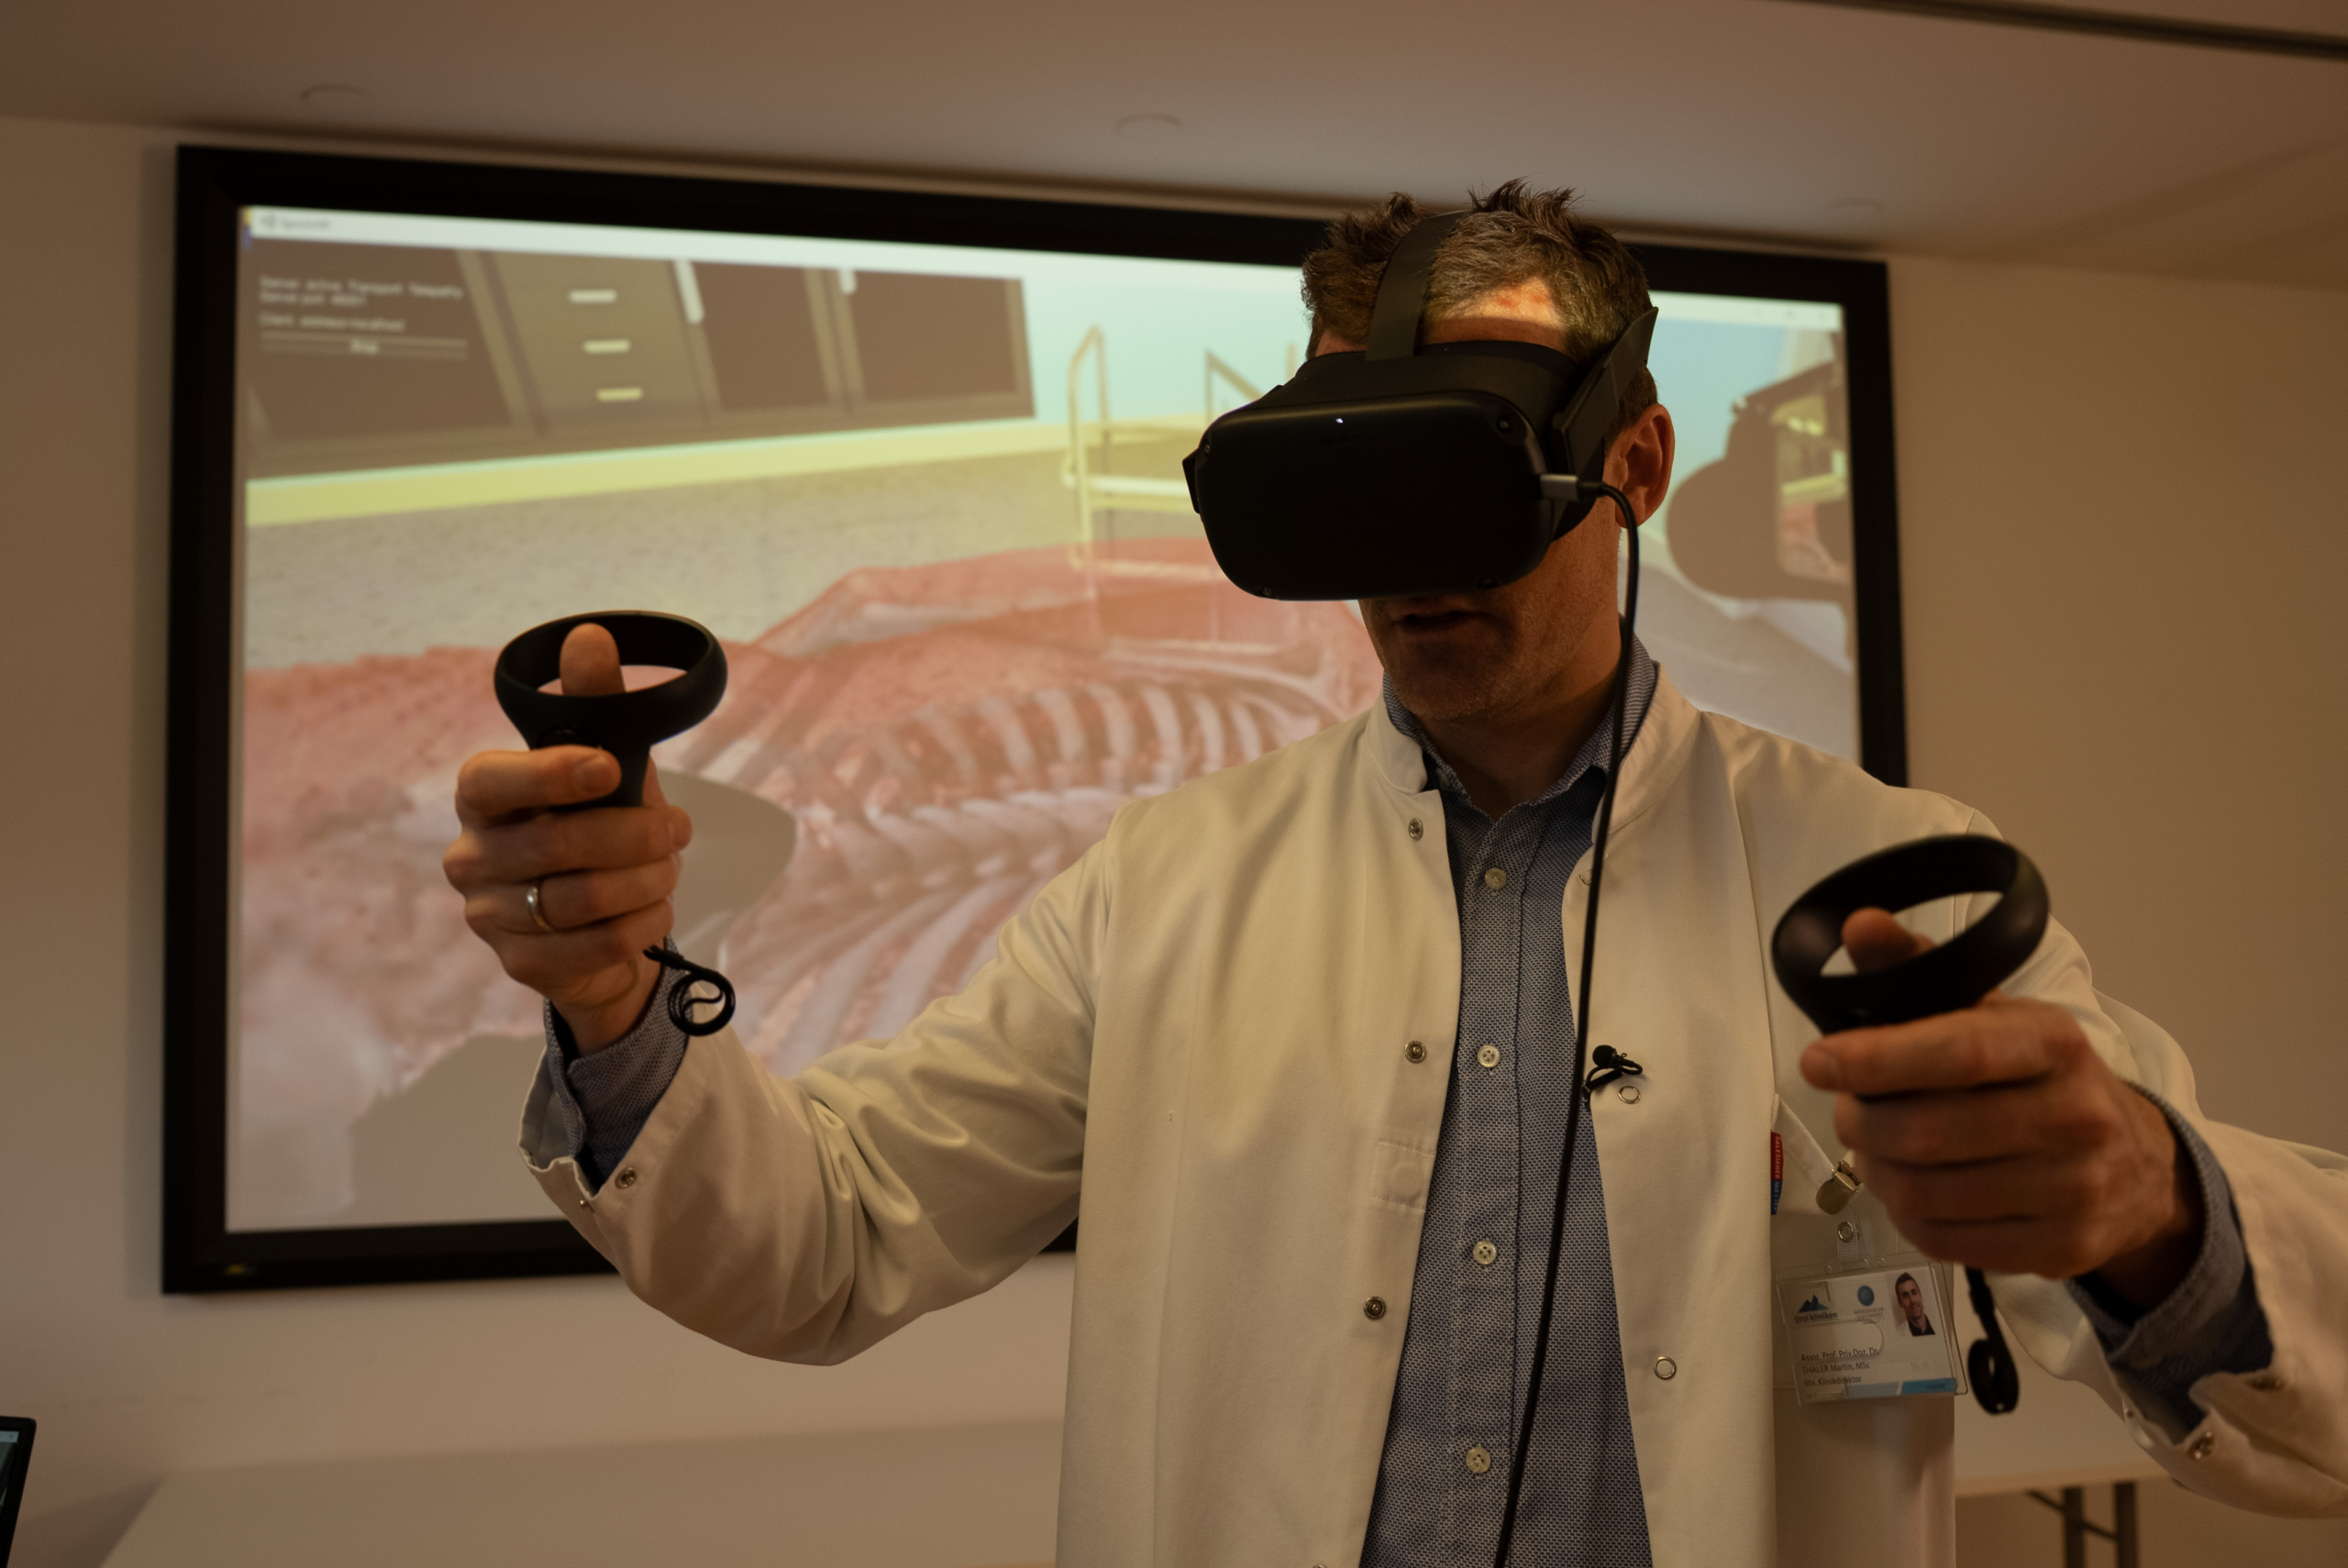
x: 1999, y: 1139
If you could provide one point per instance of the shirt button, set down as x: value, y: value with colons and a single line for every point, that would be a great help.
x: 1496, y: 878
x: 1487, y: 1056
x: 1374, y: 1308
x: 1628, y: 1093
x: 1415, y: 1052
x: 1485, y: 1252
x: 1666, y: 1368
x: 1479, y: 1461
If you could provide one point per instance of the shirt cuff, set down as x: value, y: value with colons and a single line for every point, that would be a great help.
x: 2211, y: 1322
x: 597, y: 1104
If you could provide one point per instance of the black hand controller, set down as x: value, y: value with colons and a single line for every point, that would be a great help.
x: 1944, y: 979
x: 627, y: 724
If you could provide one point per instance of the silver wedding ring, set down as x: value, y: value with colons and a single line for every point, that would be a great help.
x: 538, y: 912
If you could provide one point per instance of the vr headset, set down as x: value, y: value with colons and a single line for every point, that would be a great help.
x: 1402, y: 470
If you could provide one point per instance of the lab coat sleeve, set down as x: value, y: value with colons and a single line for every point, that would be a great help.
x: 2210, y: 1321
x: 806, y: 1218
x: 2273, y: 1439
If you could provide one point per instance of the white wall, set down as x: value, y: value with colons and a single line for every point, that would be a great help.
x: 2124, y: 549
x: 2123, y: 544
x: 2120, y: 545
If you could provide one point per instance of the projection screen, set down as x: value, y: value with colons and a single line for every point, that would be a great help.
x: 916, y: 460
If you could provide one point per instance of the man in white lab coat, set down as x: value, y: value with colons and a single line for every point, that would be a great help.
x: 1291, y: 1038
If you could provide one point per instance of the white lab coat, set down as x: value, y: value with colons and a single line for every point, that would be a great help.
x: 1197, y: 1037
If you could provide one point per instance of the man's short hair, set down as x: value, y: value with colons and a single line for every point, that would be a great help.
x: 1511, y: 236
x: 1906, y: 1279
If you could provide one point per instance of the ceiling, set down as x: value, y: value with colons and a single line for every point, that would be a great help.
x: 1818, y: 125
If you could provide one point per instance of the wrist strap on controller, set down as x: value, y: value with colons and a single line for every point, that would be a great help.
x: 683, y: 998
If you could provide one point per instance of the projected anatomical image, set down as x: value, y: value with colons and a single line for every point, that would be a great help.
x: 929, y: 498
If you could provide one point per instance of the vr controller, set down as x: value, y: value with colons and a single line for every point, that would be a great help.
x: 1948, y: 977
x: 1400, y: 469
x: 627, y: 724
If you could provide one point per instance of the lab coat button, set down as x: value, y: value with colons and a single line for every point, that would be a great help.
x: 2267, y: 1382
x: 1374, y: 1308
x: 1485, y: 1252
x: 2202, y: 1446
x: 1628, y: 1093
x: 626, y: 1179
x: 1487, y: 1056
x: 1666, y: 1368
x: 1415, y: 1052
x: 1479, y: 1461
x: 1495, y: 878
x: 1418, y: 828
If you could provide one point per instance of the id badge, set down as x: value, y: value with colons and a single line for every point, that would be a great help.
x: 1871, y: 1328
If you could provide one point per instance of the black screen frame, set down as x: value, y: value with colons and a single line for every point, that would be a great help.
x: 18, y: 1457
x: 200, y: 1254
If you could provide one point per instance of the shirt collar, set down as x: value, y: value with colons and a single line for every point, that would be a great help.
x: 1591, y: 759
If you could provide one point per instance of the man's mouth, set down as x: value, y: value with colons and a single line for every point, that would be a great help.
x: 1427, y: 622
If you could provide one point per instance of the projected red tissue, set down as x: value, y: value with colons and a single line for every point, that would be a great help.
x: 948, y: 737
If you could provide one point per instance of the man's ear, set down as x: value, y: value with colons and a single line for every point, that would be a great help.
x: 1639, y: 461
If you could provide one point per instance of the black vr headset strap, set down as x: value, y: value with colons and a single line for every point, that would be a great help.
x: 1600, y: 397
x: 1402, y: 289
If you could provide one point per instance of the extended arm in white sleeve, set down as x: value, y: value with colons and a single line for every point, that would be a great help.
x: 806, y: 1218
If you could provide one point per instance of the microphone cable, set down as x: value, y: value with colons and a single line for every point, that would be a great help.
x: 1519, y: 1450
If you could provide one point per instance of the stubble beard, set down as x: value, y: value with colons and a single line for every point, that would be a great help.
x: 1517, y: 657
x: 1460, y: 688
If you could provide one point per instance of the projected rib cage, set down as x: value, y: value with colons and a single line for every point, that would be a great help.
x: 941, y: 776
x: 944, y: 740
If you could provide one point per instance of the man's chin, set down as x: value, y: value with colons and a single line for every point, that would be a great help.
x: 1442, y: 694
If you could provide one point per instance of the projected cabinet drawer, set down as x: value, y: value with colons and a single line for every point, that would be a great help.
x: 603, y: 341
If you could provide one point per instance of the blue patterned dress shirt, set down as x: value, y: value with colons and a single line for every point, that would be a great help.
x: 1476, y: 1298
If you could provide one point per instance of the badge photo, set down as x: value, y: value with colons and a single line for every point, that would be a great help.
x: 1877, y: 1331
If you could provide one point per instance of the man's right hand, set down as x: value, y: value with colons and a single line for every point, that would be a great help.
x: 603, y: 876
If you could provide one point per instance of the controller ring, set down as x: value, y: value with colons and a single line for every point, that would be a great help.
x: 625, y: 724
x: 1951, y: 977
